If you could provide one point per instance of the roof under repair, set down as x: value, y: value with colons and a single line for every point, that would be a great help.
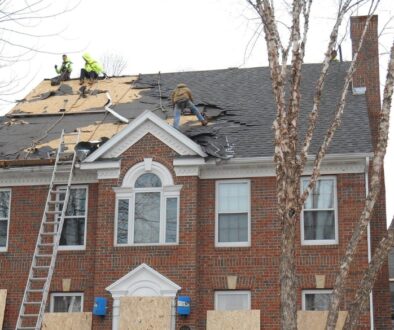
x: 238, y: 104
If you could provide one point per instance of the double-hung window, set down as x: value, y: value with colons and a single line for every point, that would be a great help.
x: 232, y: 300
x: 319, y: 219
x: 148, y: 212
x: 66, y: 302
x: 74, y: 227
x: 316, y: 300
x: 5, y: 200
x: 232, y: 213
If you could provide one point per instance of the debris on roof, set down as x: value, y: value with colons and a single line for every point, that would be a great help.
x: 47, y: 99
x: 238, y: 104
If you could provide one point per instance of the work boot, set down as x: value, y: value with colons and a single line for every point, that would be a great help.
x: 82, y: 81
x: 204, y: 122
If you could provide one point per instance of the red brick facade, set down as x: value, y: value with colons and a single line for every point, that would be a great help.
x: 195, y: 264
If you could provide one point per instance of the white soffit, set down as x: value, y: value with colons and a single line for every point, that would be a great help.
x: 146, y: 123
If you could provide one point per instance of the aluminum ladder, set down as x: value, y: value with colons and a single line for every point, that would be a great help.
x: 32, y: 309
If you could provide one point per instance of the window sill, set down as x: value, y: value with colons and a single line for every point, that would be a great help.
x: 233, y: 245
x: 146, y: 245
x: 318, y: 243
x: 72, y: 248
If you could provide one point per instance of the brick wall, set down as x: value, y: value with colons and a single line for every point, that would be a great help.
x: 195, y: 264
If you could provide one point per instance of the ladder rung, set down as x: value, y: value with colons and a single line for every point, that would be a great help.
x: 71, y: 133
x: 64, y: 162
x: 32, y: 303
x: 51, y: 222
x: 35, y: 290
x: 55, y: 202
x: 43, y: 255
x: 29, y: 315
x: 41, y: 267
x: 52, y: 233
x: 53, y: 212
x: 46, y: 244
x: 64, y: 171
x: 25, y: 328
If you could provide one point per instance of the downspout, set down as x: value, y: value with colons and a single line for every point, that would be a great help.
x: 371, y: 316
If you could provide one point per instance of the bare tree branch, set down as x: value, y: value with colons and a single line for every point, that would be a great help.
x: 361, y: 298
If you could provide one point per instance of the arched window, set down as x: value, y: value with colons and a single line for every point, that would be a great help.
x: 147, y: 209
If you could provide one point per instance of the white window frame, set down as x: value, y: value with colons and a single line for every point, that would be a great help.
x: 233, y: 292
x: 315, y: 291
x: 231, y: 244
x: 65, y: 294
x: 8, y: 219
x: 335, y: 207
x: 127, y: 192
x: 77, y: 247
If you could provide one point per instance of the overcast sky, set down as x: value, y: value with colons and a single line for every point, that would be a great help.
x: 168, y: 36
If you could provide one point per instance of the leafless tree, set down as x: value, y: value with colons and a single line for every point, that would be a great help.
x: 290, y: 161
x: 21, y: 32
x: 114, y: 64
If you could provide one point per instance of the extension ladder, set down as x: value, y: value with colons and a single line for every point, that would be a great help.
x: 32, y: 309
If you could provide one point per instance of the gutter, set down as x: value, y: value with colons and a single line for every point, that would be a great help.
x: 25, y: 162
x: 371, y: 307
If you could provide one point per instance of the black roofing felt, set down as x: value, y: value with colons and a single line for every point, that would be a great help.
x: 239, y: 103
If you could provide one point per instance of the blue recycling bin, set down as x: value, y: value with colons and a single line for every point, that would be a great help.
x: 183, y: 306
x: 100, y: 306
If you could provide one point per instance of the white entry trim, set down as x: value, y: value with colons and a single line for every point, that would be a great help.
x: 141, y: 281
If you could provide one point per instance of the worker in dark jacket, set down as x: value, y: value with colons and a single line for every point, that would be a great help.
x: 91, y: 70
x: 64, y: 72
x: 182, y: 98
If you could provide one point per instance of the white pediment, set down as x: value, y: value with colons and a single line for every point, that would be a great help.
x: 146, y: 123
x: 143, y: 281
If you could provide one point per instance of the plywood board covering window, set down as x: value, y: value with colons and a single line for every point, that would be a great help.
x: 3, y: 297
x: 233, y: 320
x: 67, y: 321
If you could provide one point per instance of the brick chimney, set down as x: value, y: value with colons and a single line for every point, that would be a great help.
x: 367, y: 68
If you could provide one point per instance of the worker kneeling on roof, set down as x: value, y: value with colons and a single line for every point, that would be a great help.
x: 64, y: 72
x: 182, y: 98
x: 91, y: 70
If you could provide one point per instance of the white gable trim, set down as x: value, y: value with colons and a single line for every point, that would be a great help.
x: 145, y: 123
x: 143, y: 271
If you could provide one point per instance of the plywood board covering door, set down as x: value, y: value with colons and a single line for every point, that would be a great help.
x: 145, y: 313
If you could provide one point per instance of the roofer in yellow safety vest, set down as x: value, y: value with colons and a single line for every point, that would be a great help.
x: 64, y: 71
x: 91, y: 70
x: 182, y: 98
